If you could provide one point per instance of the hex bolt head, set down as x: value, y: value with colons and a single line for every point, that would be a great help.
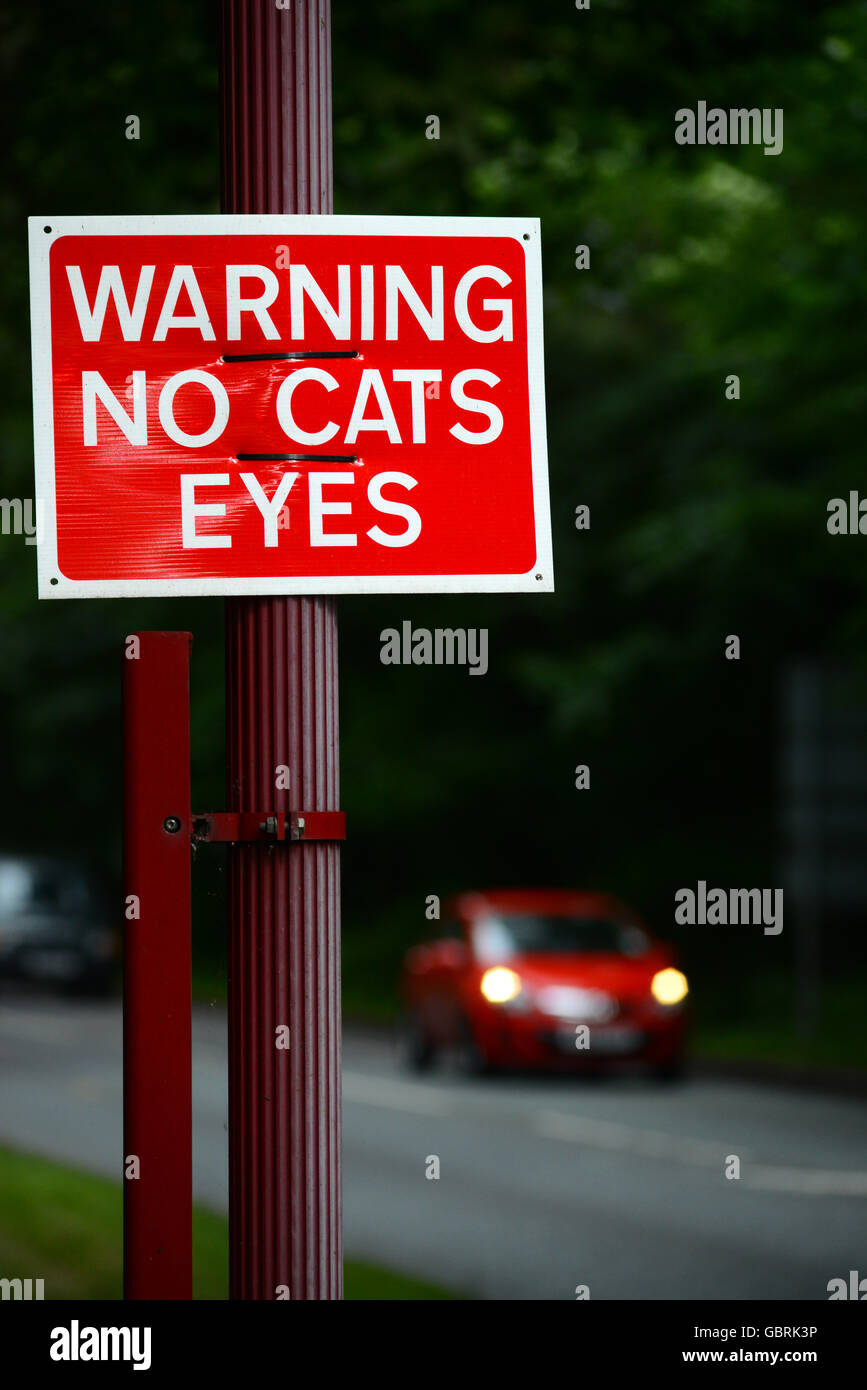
x: 172, y: 824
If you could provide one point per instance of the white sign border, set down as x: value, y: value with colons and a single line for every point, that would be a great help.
x: 55, y: 585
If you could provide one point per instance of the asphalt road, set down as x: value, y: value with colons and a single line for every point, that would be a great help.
x: 545, y: 1184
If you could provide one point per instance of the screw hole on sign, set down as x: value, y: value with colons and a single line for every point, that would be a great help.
x: 538, y: 576
x: 46, y: 229
x: 526, y: 236
x: 55, y: 581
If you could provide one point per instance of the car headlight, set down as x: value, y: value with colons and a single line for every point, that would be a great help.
x: 500, y: 985
x: 669, y: 986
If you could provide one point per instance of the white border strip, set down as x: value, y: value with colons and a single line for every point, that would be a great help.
x: 53, y: 585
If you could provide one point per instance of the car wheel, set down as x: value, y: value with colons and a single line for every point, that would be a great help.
x: 417, y: 1052
x: 470, y: 1058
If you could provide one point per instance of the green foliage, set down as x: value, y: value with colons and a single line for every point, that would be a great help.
x: 708, y: 515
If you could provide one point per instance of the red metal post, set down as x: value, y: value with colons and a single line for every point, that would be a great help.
x: 281, y: 683
x: 157, y: 1072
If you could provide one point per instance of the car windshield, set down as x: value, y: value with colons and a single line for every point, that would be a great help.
x: 43, y: 889
x: 513, y: 934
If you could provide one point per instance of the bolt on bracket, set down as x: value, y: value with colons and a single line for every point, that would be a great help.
x: 267, y: 827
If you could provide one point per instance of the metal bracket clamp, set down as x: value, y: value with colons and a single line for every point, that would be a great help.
x: 267, y: 827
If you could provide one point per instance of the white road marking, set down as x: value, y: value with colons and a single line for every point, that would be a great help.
x: 808, y: 1182
x: 649, y: 1143
x: 704, y: 1153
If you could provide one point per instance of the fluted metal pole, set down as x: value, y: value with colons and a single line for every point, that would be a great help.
x: 281, y: 683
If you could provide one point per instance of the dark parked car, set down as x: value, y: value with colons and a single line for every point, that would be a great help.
x: 54, y: 925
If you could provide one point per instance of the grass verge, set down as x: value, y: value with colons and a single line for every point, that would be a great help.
x: 765, y: 1027
x: 65, y: 1227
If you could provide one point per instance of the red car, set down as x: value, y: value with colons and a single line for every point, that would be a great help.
x: 544, y: 979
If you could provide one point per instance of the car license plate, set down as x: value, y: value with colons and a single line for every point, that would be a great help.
x: 614, y: 1041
